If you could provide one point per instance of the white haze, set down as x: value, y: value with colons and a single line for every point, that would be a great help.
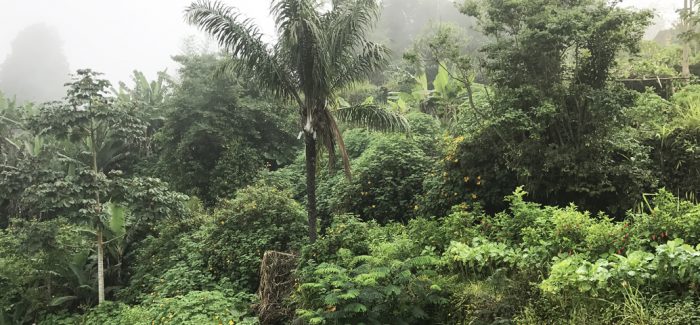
x: 118, y: 36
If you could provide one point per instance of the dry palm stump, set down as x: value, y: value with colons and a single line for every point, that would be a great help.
x: 276, y: 284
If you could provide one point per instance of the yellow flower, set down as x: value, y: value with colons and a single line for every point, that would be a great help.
x: 478, y: 183
x: 466, y: 179
x: 415, y: 207
x: 373, y: 206
x: 222, y: 222
x: 474, y: 196
x: 230, y: 322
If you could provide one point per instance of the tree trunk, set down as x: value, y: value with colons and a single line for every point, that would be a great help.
x: 98, y: 210
x: 100, y: 268
x: 311, y: 184
x: 685, y: 60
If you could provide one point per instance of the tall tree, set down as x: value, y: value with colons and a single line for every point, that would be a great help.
x: 686, y: 21
x: 219, y: 132
x: 553, y: 112
x: 36, y: 68
x: 104, y: 135
x: 318, y: 52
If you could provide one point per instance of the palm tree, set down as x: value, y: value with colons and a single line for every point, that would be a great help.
x: 320, y: 50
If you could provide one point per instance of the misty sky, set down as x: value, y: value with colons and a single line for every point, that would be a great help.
x: 118, y: 36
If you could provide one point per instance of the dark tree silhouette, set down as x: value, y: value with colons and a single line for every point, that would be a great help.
x: 36, y: 68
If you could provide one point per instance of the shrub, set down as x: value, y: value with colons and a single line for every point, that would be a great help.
x: 348, y: 233
x: 481, y: 258
x: 425, y: 130
x: 490, y: 301
x: 674, y: 311
x: 675, y: 265
x: 258, y: 219
x: 447, y: 183
x: 194, y: 308
x: 557, y: 231
x: 370, y: 289
x: 171, y: 262
x: 200, y: 307
x: 666, y: 217
x: 36, y: 255
x: 386, y: 180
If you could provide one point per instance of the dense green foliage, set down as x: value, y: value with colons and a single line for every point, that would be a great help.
x: 258, y: 219
x: 471, y: 267
x: 541, y: 178
x: 218, y: 133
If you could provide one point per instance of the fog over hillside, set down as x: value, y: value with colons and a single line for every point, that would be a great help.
x: 36, y: 67
x: 116, y: 37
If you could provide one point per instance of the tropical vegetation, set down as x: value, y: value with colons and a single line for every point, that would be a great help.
x: 521, y: 162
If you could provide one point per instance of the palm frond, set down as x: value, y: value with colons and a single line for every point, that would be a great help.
x: 329, y: 136
x: 341, y: 144
x: 292, y: 15
x: 347, y: 25
x: 372, y: 117
x: 302, y: 43
x: 354, y: 58
x: 371, y: 58
x: 243, y: 40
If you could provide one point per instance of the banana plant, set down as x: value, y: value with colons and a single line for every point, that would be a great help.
x: 79, y: 273
x: 442, y: 100
x: 147, y: 99
x: 152, y: 93
x: 78, y: 277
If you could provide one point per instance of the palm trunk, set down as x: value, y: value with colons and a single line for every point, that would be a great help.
x: 311, y: 184
x: 100, y: 268
x: 685, y: 60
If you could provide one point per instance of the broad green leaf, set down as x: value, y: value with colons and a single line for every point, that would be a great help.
x: 441, y: 81
x: 117, y: 218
